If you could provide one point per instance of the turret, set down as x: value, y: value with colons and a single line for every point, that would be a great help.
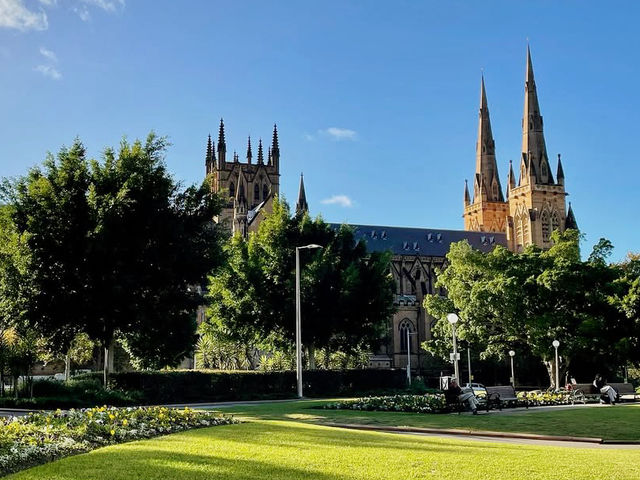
x: 570, y: 221
x: 275, y: 148
x: 222, y: 145
x: 210, y: 159
x: 260, y: 153
x: 249, y: 150
x: 301, y: 204
x: 467, y: 198
x: 560, y: 172
x: 511, y: 179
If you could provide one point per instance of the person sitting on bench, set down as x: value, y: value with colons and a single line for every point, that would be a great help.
x: 608, y: 392
x: 467, y: 397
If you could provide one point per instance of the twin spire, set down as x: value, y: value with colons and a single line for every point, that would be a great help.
x: 534, y: 165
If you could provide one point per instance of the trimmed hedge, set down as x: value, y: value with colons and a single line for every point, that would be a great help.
x: 185, y: 386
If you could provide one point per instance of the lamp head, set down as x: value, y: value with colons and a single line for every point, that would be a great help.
x: 452, y: 318
x: 312, y: 245
x: 511, y: 353
x: 556, y: 343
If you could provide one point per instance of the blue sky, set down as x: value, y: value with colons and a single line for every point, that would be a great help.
x: 375, y: 101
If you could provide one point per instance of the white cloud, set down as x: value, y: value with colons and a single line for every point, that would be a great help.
x: 48, y: 54
x: 49, y: 71
x: 341, y: 200
x: 83, y: 13
x: 106, y: 5
x: 49, y: 3
x: 14, y: 14
x: 340, y: 133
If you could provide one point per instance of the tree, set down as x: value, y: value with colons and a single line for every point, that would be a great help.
x: 525, y: 301
x: 347, y: 292
x: 118, y: 250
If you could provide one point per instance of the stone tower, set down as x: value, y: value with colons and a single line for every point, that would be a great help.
x: 537, y: 202
x: 534, y: 205
x: 250, y: 187
x: 488, y: 211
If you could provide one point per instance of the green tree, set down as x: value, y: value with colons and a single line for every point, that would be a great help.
x: 118, y: 250
x: 525, y: 301
x: 346, y: 291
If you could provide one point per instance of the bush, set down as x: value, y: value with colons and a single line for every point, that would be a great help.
x: 430, y: 403
x: 184, y: 386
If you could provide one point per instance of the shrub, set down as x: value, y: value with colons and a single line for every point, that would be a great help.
x: 430, y: 403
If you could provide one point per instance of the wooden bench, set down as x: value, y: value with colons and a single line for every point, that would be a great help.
x: 504, y: 395
x: 582, y: 392
x: 455, y: 405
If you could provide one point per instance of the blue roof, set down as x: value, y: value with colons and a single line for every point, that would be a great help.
x: 422, y: 241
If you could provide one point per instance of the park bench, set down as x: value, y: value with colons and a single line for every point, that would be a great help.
x: 455, y: 405
x: 583, y: 392
x: 503, y: 395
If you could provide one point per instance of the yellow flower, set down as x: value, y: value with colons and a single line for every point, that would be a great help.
x: 113, y: 432
x: 125, y: 422
x: 111, y: 416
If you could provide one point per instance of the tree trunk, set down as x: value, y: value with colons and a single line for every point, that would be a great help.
x: 563, y: 369
x: 67, y: 367
x: 311, y: 352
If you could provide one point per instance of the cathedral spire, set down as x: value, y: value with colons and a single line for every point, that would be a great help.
x: 222, y: 144
x: 534, y: 149
x: 467, y: 198
x: 570, y: 221
x: 275, y: 149
x: 301, y: 204
x: 511, y: 179
x: 486, y: 166
x: 249, y: 150
x: 260, y: 153
x: 210, y: 160
x: 560, y: 172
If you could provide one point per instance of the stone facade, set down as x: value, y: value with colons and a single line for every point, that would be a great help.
x: 249, y: 186
x: 534, y: 206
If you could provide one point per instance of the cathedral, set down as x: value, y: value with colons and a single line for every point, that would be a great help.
x: 250, y: 186
x: 526, y: 214
x: 535, y: 205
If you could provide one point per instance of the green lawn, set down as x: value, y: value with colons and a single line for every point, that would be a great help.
x: 269, y: 449
x: 275, y: 442
x: 620, y: 422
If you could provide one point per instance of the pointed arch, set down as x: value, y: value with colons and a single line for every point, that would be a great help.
x: 232, y: 189
x: 256, y: 193
x: 405, y: 326
x: 545, y: 220
x: 555, y: 221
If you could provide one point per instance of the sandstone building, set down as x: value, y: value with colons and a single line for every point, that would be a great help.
x: 535, y: 205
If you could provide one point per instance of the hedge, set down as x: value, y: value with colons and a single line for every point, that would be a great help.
x: 186, y: 386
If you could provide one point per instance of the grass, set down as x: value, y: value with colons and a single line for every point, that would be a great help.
x: 621, y: 422
x: 277, y: 442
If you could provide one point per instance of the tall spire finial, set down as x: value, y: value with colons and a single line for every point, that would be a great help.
x: 222, y: 144
x: 274, y: 141
x: 301, y: 204
x: 570, y: 221
x: 487, y: 178
x: 260, y: 153
x: 467, y: 197
x: 249, y: 155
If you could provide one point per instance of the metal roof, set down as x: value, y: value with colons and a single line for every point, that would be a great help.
x: 422, y: 241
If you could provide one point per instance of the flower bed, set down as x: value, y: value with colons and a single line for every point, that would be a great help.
x: 539, y: 398
x: 42, y: 437
x: 429, y: 403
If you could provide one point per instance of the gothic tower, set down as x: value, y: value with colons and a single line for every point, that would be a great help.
x: 537, y: 202
x: 250, y: 187
x: 487, y: 211
x: 301, y: 205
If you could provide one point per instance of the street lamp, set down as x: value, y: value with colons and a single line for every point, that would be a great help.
x: 453, y: 319
x: 409, y: 355
x: 513, y: 375
x: 299, y: 319
x: 556, y: 344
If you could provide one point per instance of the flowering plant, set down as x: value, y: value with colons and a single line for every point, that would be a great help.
x: 428, y: 403
x: 45, y: 436
x: 537, y: 397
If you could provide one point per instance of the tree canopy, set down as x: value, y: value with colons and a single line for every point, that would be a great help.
x: 117, y: 249
x: 525, y: 301
x: 347, y: 292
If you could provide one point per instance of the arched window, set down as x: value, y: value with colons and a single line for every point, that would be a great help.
x: 519, y: 233
x: 405, y: 326
x: 555, y: 221
x: 256, y: 194
x: 546, y: 226
x: 265, y: 192
x: 241, y: 190
x: 232, y: 189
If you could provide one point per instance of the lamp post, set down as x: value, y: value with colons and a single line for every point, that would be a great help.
x: 556, y: 344
x: 409, y: 355
x: 513, y: 375
x: 299, y: 319
x: 453, y: 319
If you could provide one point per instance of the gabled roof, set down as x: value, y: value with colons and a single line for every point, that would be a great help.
x: 422, y: 241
